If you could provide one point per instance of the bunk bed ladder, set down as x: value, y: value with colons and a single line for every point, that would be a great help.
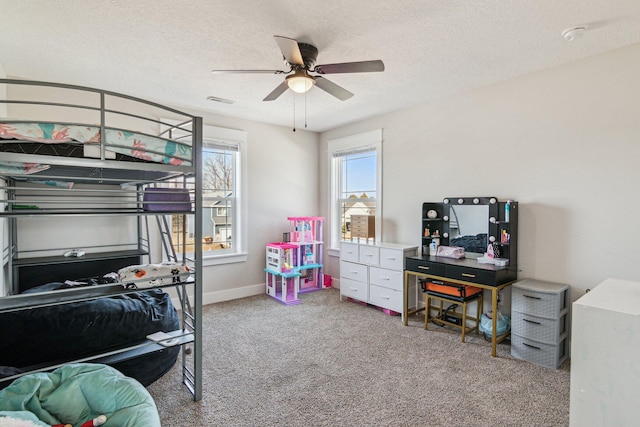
x: 165, y: 237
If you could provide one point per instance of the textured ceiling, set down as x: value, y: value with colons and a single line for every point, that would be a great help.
x: 164, y: 50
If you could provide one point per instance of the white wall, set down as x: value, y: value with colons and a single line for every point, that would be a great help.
x: 563, y: 142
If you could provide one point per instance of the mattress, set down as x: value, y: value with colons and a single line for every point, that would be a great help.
x: 37, y: 135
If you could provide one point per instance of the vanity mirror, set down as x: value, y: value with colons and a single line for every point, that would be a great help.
x: 469, y: 223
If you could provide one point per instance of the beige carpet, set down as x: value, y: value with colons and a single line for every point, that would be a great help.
x: 331, y: 363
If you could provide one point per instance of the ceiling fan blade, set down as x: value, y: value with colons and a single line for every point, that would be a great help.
x: 333, y: 89
x: 277, y: 92
x: 249, y: 72
x: 290, y: 50
x: 351, y: 67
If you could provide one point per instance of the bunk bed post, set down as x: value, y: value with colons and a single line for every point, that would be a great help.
x: 197, y: 164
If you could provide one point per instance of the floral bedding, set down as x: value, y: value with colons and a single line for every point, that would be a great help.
x: 133, y: 144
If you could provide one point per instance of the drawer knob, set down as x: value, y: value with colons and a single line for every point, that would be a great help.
x: 384, y: 297
x: 385, y: 278
x: 530, y: 296
x: 469, y: 275
x: 531, y: 321
x: 354, y: 289
x: 421, y: 267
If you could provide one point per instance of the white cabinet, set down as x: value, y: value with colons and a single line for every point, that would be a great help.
x: 374, y: 273
x: 605, y: 356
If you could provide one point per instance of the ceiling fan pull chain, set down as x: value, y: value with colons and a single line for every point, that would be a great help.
x: 294, y: 112
x: 305, y: 110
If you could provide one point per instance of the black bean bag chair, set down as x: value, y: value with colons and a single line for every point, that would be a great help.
x: 61, y: 333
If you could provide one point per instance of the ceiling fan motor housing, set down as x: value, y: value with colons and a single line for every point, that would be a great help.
x: 309, y: 55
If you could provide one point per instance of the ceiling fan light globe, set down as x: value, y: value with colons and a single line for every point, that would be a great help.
x: 300, y: 83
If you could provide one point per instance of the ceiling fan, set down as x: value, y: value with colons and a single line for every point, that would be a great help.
x: 301, y: 60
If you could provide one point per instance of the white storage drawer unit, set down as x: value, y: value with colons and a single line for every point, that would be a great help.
x: 539, y: 322
x: 374, y: 273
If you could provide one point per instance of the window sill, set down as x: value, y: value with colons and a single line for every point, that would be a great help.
x: 208, y: 261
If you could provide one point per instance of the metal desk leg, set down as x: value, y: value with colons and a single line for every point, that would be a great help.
x: 494, y: 320
x: 405, y: 298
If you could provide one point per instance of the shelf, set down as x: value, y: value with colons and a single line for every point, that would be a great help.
x: 61, y: 259
x: 432, y: 219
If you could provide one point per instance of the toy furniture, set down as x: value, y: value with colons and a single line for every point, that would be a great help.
x: 296, y: 266
x: 283, y: 287
x: 306, y: 234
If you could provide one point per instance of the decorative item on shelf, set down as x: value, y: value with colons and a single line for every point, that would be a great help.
x: 432, y: 214
x: 497, y: 252
x: 505, y: 237
x: 427, y: 232
x: 433, y: 248
x: 507, y: 209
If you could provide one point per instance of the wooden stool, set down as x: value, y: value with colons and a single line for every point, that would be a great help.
x: 462, y: 317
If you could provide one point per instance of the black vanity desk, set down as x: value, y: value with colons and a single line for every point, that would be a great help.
x: 463, y: 272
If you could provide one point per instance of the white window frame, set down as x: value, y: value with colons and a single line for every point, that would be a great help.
x: 366, y: 141
x: 217, y: 136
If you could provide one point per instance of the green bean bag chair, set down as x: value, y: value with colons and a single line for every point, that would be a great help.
x: 77, y: 393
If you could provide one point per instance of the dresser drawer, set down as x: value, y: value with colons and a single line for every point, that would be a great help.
x: 538, y: 328
x: 385, y: 298
x: 369, y: 254
x: 426, y: 267
x: 542, y: 304
x: 349, y: 251
x: 392, y: 279
x: 356, y: 272
x: 484, y: 277
x: 352, y: 289
x: 548, y: 355
x: 391, y: 258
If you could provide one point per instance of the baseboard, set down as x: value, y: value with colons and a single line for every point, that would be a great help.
x: 226, y: 295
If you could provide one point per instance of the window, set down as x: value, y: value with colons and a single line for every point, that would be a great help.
x: 223, y: 216
x: 355, y: 164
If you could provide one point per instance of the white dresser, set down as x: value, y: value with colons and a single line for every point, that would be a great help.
x: 605, y: 356
x: 374, y: 273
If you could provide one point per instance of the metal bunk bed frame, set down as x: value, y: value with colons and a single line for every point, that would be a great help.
x: 104, y: 171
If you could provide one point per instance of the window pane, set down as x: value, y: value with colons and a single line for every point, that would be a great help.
x: 218, y: 200
x: 357, y: 188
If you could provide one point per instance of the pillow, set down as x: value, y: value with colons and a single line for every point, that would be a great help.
x: 150, y: 275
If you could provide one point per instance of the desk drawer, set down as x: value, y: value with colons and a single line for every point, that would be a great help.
x: 386, y: 278
x: 352, y: 289
x: 473, y: 275
x: 426, y: 267
x: 385, y: 298
x: 356, y: 272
